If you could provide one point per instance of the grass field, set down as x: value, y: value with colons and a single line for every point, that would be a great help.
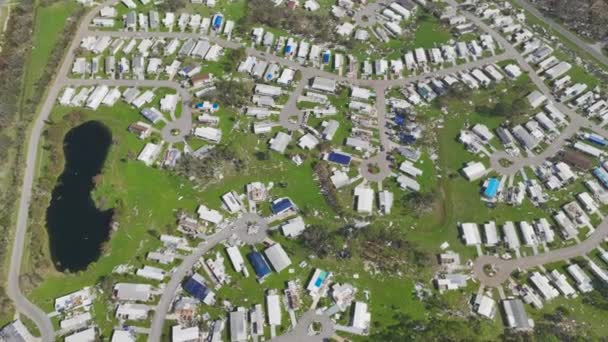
x: 50, y: 21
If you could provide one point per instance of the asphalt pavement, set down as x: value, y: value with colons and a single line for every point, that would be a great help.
x: 184, y: 125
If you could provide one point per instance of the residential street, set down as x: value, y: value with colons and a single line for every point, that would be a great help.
x: 564, y: 32
x: 184, y: 125
x: 239, y: 229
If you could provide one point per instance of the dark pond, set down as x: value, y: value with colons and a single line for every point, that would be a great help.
x: 77, y: 229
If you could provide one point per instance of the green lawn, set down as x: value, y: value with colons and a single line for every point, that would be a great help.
x: 50, y: 21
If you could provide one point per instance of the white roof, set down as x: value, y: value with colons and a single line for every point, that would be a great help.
x: 308, y: 141
x: 474, y: 171
x: 486, y: 306
x: 360, y: 93
x: 179, y: 334
x: 136, y: 292
x: 536, y: 98
x: 278, y: 257
x: 511, y: 237
x: 408, y: 183
x: 385, y: 200
x: 365, y: 199
x: 208, y: 133
x: 562, y: 284
x: 238, y: 325
x: 279, y: 142
x: 265, y: 89
x: 235, y: 258
x: 87, y: 335
x: 340, y: 179
x: 133, y: 311
x: 409, y: 168
x: 209, y: 215
x: 273, y: 304
x: 490, y: 233
x: 361, y: 317
x: 583, y: 282
x: 151, y: 272
x: 470, y: 234
x: 75, y: 320
x: 232, y: 202
x: 293, y: 227
x: 149, y: 153
x: 324, y: 84
x: 542, y: 285
x: 122, y: 336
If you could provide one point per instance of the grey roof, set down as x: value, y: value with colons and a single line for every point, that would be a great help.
x: 516, y: 315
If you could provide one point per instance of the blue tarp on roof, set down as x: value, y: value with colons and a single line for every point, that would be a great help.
x: 339, y: 158
x: 594, y: 138
x: 288, y: 49
x: 281, y: 205
x: 217, y: 22
x: 260, y: 266
x: 326, y: 57
x: 195, y: 288
x: 492, y: 188
x: 601, y: 175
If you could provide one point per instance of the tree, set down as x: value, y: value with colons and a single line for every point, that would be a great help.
x: 420, y: 202
x: 233, y: 57
x: 519, y: 107
x: 317, y: 239
x: 172, y: 5
x: 233, y: 93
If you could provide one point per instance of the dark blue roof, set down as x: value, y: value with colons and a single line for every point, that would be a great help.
x: 195, y: 288
x: 399, y: 120
x: 597, y: 139
x: 281, y: 205
x: 407, y: 138
x: 260, y: 266
x: 339, y: 158
x: 492, y: 188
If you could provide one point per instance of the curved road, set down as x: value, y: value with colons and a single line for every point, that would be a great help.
x: 238, y: 228
x: 184, y: 124
x: 22, y: 304
x: 504, y: 268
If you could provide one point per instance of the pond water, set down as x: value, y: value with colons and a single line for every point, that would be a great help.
x: 77, y: 228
